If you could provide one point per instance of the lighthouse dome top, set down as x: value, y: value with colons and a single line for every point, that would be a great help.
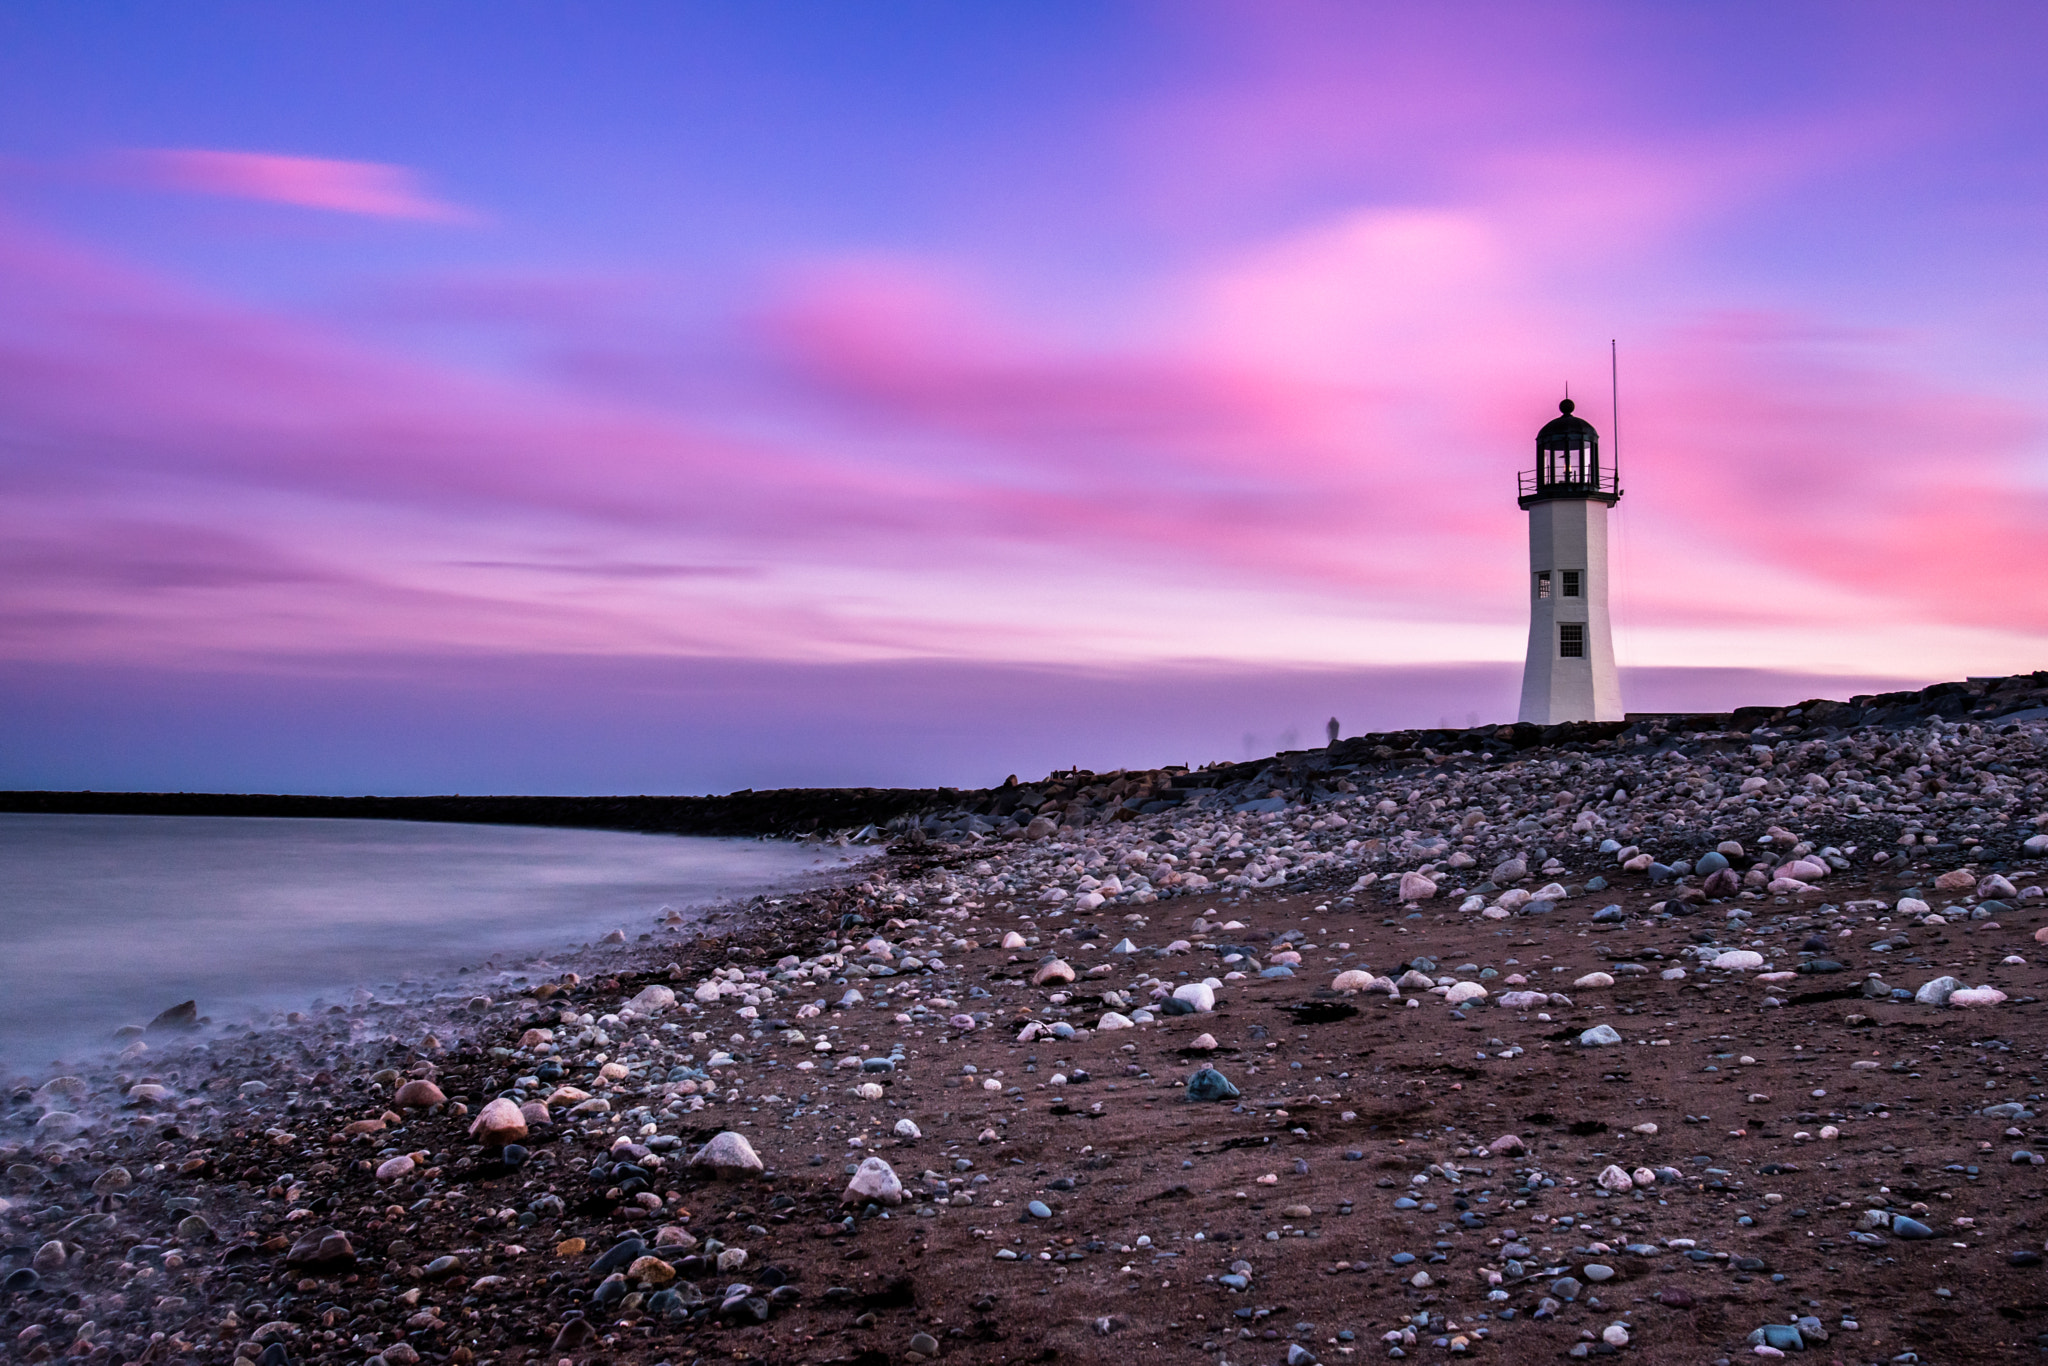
x: 1567, y: 431
x: 1568, y: 464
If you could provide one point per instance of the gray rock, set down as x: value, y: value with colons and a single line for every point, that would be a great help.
x: 1209, y: 1084
x: 1597, y: 1272
x: 1903, y: 1227
x: 183, y: 1016
x: 321, y: 1247
x: 1600, y: 1036
x: 729, y: 1157
x: 875, y: 1181
x: 1938, y: 991
x: 618, y: 1257
x: 574, y: 1333
x: 59, y: 1126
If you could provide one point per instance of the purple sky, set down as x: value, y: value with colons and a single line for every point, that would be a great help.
x: 681, y: 397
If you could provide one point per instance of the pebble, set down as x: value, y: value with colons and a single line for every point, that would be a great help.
x: 1416, y: 887
x: 875, y: 1182
x: 729, y: 1157
x: 618, y: 1256
x: 1937, y: 992
x: 1211, y: 1085
x: 650, y: 1270
x: 499, y: 1123
x: 1053, y: 972
x: 1975, y: 997
x: 418, y: 1094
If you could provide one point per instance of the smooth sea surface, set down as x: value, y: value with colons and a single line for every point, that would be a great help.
x: 107, y: 920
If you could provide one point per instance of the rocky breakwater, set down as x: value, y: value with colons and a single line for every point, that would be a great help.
x: 1079, y: 797
x: 1547, y: 1052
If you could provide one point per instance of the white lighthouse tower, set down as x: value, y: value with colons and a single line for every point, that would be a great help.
x: 1570, y: 673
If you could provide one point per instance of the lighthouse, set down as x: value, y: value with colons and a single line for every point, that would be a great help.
x: 1570, y: 671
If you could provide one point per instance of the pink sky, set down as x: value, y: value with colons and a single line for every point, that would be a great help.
x: 1216, y: 349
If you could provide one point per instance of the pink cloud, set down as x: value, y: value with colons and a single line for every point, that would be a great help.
x: 1328, y: 422
x: 1805, y: 451
x: 371, y: 188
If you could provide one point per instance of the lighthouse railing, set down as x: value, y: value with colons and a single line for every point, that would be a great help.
x: 1531, y: 485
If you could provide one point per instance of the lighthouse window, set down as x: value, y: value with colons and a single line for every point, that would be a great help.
x: 1571, y: 639
x: 1543, y: 586
x: 1571, y: 583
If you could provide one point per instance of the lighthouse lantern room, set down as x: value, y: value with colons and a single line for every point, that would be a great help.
x: 1570, y: 671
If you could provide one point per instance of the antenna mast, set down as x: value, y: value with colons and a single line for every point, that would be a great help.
x: 1614, y: 394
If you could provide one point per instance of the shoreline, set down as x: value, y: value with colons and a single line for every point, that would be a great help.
x: 429, y: 1000
x: 1007, y: 1000
x: 1081, y: 795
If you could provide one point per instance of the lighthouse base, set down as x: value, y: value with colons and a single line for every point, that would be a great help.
x: 1570, y: 673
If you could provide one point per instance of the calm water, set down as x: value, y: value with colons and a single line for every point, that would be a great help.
x: 106, y: 920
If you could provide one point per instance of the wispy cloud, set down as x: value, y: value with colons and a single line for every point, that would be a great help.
x: 615, y: 569
x: 1313, y: 465
x: 371, y: 188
